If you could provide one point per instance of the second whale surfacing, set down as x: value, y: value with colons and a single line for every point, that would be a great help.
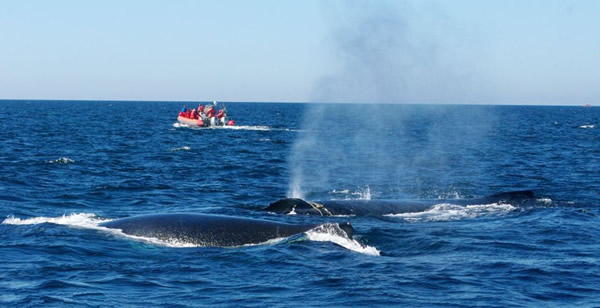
x: 211, y: 230
x: 387, y: 207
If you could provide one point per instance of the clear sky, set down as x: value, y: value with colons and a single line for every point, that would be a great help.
x: 489, y: 52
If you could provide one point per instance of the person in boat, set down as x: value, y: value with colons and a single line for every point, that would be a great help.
x: 210, y: 111
x: 194, y: 114
x: 183, y: 111
x: 222, y: 115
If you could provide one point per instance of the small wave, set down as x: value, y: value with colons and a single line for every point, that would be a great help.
x: 264, y: 139
x: 360, y: 194
x: 242, y: 127
x: 450, y: 195
x: 546, y: 201
x: 364, y: 194
x: 184, y: 148
x: 334, y: 234
x: 83, y: 220
x: 238, y: 127
x: 587, y: 126
x: 62, y: 160
x: 343, y: 191
x: 448, y: 212
x: 235, y: 127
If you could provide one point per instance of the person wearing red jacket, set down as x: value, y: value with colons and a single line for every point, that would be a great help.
x: 210, y: 111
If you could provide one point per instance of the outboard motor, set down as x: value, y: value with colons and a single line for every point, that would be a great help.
x: 222, y: 117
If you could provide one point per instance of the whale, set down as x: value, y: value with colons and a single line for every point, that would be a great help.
x: 387, y: 207
x: 209, y: 230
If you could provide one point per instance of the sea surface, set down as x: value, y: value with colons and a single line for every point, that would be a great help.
x: 67, y: 166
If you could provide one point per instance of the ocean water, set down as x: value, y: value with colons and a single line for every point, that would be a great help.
x: 66, y: 166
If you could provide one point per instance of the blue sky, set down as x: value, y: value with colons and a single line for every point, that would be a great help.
x: 488, y: 52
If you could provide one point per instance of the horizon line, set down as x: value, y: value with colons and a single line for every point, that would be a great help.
x: 285, y: 102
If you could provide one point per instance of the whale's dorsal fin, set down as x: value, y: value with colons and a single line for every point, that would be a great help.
x: 347, y: 227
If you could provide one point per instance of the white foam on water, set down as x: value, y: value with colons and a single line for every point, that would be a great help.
x: 544, y: 200
x: 365, y: 194
x: 183, y: 148
x: 361, y: 194
x: 241, y: 127
x: 448, y: 212
x: 334, y: 234
x: 269, y: 242
x: 237, y: 127
x: 82, y: 220
x: 62, y: 160
x: 91, y: 221
x: 450, y: 195
x: 343, y: 191
x: 587, y: 126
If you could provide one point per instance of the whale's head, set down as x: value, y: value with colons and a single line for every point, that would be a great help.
x: 297, y: 206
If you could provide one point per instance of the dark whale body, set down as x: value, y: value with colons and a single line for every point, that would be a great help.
x: 209, y: 230
x: 386, y: 207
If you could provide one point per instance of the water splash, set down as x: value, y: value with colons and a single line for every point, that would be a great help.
x: 546, y: 201
x: 242, y: 127
x: 235, y: 127
x: 83, y: 220
x: 363, y: 193
x: 62, y: 160
x: 449, y: 212
x: 183, y: 148
x: 334, y: 234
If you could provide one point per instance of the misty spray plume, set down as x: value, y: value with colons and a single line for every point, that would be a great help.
x: 384, y: 54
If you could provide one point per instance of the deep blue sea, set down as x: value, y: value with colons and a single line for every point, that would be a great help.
x: 66, y: 166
